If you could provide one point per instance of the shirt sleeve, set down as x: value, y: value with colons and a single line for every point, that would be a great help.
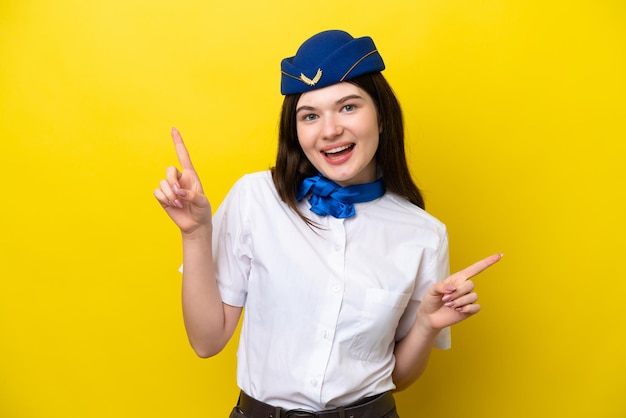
x: 435, y: 268
x: 232, y: 245
x: 442, y: 271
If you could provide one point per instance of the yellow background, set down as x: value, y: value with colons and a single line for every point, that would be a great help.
x: 515, y: 116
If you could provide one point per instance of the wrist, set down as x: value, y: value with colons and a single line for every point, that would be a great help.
x: 201, y: 233
x: 424, y: 326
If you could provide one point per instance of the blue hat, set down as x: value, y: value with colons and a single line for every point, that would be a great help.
x: 328, y: 58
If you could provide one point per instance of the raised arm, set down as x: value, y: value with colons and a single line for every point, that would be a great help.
x: 209, y: 322
x: 445, y: 303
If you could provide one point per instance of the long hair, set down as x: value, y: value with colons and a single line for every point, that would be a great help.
x: 292, y: 166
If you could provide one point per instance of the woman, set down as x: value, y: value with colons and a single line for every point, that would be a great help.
x: 342, y: 273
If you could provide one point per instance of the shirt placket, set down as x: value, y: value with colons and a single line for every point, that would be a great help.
x: 335, y: 285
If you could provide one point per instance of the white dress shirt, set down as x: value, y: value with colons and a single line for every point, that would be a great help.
x: 323, y: 306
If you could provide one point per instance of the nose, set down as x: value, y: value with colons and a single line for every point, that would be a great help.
x: 331, y: 128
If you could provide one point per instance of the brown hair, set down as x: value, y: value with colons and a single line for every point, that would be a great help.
x: 292, y: 166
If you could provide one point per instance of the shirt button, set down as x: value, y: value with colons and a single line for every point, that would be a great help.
x: 338, y: 247
x: 313, y: 382
x: 325, y: 335
x: 336, y: 288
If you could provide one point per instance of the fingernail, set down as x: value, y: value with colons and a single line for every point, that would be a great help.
x: 459, y: 309
x: 446, y: 298
x: 449, y: 304
x: 178, y: 203
x: 450, y: 288
x: 180, y: 192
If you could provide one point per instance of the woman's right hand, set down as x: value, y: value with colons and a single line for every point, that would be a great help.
x: 181, y: 194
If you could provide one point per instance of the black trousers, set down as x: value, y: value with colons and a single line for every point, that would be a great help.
x: 382, y: 406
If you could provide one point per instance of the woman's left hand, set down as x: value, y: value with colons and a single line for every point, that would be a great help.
x: 453, y: 300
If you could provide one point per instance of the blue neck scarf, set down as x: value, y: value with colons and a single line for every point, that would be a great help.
x: 329, y: 198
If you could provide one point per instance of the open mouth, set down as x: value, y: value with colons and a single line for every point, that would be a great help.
x: 339, y: 151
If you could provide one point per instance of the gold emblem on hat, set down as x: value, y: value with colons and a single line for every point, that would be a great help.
x: 315, y: 79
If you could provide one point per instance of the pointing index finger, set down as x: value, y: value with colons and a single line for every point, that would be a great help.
x: 478, y: 267
x: 181, y: 151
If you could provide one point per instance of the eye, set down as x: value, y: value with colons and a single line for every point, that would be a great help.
x: 309, y: 117
x: 349, y: 107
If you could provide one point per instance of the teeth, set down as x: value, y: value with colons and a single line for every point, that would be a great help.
x: 338, y: 149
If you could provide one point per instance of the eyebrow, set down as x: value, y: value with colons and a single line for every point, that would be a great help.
x: 349, y: 97
x: 340, y: 101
